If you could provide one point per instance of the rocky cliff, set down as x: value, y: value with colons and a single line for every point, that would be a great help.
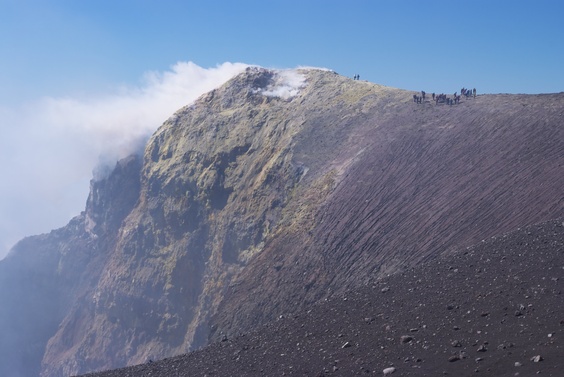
x: 266, y: 195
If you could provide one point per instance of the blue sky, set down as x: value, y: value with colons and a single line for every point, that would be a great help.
x: 73, y: 73
x: 60, y: 47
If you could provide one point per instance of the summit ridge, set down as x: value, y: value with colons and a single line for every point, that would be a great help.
x: 264, y: 197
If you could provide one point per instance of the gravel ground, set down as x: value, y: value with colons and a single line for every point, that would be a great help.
x: 495, y: 309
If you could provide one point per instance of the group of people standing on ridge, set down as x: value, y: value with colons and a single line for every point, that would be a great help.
x: 443, y: 98
x: 439, y: 98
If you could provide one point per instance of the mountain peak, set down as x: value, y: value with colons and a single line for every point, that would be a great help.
x: 270, y: 193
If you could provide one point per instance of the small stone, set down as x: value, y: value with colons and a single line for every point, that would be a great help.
x: 536, y: 359
x: 385, y: 289
x: 518, y: 364
x: 346, y: 345
x: 454, y: 358
x: 503, y: 346
x: 478, y: 359
x: 456, y: 343
x: 389, y: 371
x: 406, y: 339
x: 482, y: 348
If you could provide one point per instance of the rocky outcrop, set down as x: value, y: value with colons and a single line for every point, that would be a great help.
x: 277, y: 190
x: 215, y: 180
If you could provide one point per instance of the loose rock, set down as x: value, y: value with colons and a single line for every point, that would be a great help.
x: 406, y: 339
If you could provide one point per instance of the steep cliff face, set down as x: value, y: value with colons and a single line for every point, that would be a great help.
x: 270, y: 193
x: 215, y: 180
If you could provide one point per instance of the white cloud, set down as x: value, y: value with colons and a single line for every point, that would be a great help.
x: 51, y: 146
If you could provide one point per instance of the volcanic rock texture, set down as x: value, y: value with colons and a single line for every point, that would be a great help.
x: 488, y: 310
x: 266, y: 196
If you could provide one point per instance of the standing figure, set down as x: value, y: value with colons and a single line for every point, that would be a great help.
x: 474, y: 92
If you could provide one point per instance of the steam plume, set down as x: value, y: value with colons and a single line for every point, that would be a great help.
x: 51, y: 146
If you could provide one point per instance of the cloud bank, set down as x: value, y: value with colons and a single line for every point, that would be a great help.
x: 51, y: 146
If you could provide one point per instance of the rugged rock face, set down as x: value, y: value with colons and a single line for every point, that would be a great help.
x: 272, y: 192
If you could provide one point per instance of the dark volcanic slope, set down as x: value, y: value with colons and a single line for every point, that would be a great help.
x: 418, y: 180
x: 483, y: 311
